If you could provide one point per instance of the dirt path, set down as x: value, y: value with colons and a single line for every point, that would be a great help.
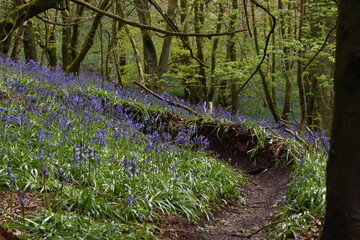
x: 237, y: 220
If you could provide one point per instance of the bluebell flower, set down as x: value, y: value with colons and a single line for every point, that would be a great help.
x: 131, y: 200
x: 21, y: 197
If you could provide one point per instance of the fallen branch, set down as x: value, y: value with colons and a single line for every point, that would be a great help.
x: 166, y: 100
x: 296, y: 135
x: 257, y: 231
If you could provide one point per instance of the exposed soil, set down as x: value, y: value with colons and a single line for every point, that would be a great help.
x: 266, y: 186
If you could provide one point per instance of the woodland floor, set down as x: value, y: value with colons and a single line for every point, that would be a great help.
x: 233, y: 220
x: 236, y: 220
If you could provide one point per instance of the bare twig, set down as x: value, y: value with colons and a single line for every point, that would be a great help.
x: 296, y: 135
x: 272, y: 30
x: 144, y: 26
x: 167, y: 100
x: 63, y: 24
x: 321, y: 48
x: 173, y: 26
x: 257, y: 231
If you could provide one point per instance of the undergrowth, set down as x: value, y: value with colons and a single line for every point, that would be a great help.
x: 303, y: 206
x: 101, y: 164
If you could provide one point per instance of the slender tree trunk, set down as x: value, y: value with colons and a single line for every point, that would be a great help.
x: 184, y: 58
x: 287, y: 62
x: 88, y: 42
x: 137, y: 56
x: 213, y: 81
x: 66, y: 35
x: 18, y: 41
x: 342, y: 220
x: 268, y: 97
x: 51, y: 49
x: 299, y: 77
x: 76, y: 32
x: 231, y: 55
x: 201, y: 79
x: 150, y: 56
x: 165, y: 52
x: 19, y: 37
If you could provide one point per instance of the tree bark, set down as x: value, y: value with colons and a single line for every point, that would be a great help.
x: 165, y: 52
x: 342, y: 221
x: 150, y: 56
x: 299, y: 77
x: 51, y: 50
x: 18, y: 41
x: 270, y: 102
x: 213, y: 79
x: 201, y: 90
x: 232, y: 57
x: 76, y: 32
x: 66, y: 35
x: 30, y: 51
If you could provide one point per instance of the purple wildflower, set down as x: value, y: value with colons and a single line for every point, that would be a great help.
x: 131, y: 200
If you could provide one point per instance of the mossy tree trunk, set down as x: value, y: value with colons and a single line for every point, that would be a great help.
x: 30, y: 51
x: 20, y: 14
x: 66, y: 35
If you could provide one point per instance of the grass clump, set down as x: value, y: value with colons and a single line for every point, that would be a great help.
x: 303, y: 206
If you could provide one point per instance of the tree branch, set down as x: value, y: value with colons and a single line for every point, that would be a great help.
x: 171, y: 23
x: 265, y: 48
x: 63, y: 24
x: 144, y: 26
x: 22, y: 13
x: 321, y: 48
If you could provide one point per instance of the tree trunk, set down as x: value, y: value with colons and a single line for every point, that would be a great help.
x: 213, y: 81
x: 18, y: 41
x: 201, y: 90
x: 30, y: 51
x: 88, y: 42
x: 299, y: 77
x: 184, y: 58
x: 270, y: 102
x: 342, y: 221
x: 231, y: 56
x: 150, y: 57
x: 66, y: 35
x: 137, y: 56
x: 76, y: 32
x: 51, y: 49
x: 165, y: 52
